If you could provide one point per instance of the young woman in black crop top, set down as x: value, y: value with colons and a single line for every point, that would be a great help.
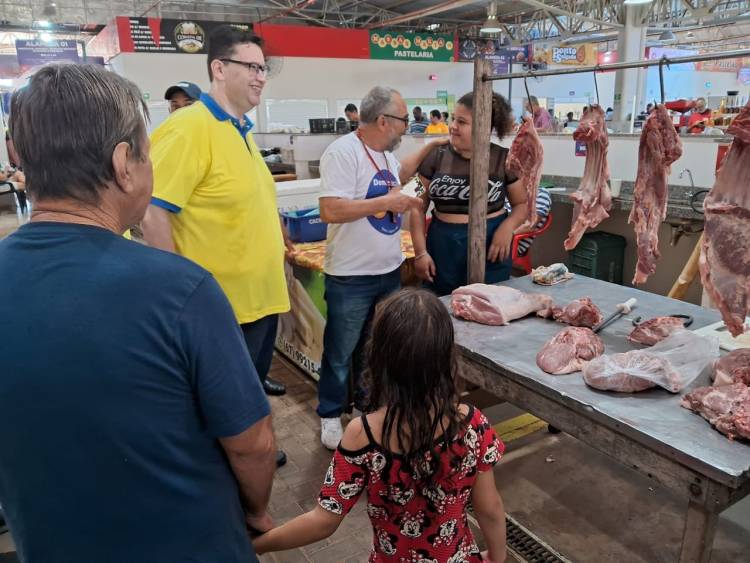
x: 440, y: 257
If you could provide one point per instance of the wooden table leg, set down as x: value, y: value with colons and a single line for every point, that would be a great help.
x: 698, y: 536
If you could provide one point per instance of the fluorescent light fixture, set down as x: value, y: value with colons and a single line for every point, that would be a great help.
x: 637, y: 2
x: 667, y: 36
x: 491, y: 25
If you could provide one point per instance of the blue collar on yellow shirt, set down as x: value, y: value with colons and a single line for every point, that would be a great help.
x: 218, y: 112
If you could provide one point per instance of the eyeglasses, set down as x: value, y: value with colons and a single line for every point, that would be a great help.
x: 254, y: 68
x: 404, y: 120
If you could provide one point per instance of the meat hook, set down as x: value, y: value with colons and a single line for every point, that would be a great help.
x: 528, y: 96
x: 596, y: 87
x: 664, y: 61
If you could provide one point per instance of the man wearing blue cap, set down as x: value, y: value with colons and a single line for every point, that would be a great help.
x: 181, y: 95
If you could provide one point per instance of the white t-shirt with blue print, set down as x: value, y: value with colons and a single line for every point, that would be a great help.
x: 371, y: 245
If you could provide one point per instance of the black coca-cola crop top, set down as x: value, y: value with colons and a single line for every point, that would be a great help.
x: 449, y: 172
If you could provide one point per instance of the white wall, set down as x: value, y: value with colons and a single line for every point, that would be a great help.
x: 692, y: 84
x: 336, y: 79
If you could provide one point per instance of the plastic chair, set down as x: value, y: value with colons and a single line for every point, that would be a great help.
x: 524, y: 262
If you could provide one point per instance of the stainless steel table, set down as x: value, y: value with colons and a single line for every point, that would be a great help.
x: 646, y: 431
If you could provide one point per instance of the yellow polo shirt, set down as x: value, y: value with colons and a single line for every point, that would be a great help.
x: 210, y: 175
x: 437, y: 129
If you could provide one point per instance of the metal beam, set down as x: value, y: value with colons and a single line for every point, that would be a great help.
x: 561, y: 12
x: 440, y: 8
x: 621, y: 66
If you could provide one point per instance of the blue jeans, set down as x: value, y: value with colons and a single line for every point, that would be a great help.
x: 351, y: 303
x: 448, y: 245
x: 260, y: 336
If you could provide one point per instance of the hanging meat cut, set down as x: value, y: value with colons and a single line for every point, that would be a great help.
x: 593, y: 199
x: 726, y: 407
x: 581, y: 312
x: 733, y: 368
x: 525, y: 162
x: 655, y: 330
x: 569, y: 350
x: 660, y: 146
x: 496, y: 304
x: 725, y: 256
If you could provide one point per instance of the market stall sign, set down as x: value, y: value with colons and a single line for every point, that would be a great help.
x: 31, y: 52
x: 724, y: 65
x: 580, y: 56
x: 501, y: 57
x: 393, y: 45
x: 655, y: 53
x: 157, y: 35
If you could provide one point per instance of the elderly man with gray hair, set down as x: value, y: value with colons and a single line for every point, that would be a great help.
x: 362, y: 202
x: 132, y: 422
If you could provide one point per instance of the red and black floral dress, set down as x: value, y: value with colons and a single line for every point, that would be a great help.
x: 416, y: 520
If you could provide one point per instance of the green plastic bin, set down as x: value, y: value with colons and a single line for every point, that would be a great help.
x: 599, y: 255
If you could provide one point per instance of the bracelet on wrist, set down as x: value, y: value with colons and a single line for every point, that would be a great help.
x: 421, y: 255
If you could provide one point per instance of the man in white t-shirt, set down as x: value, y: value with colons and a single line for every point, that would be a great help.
x: 361, y: 200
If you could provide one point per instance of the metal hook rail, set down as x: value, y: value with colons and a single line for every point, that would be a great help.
x: 621, y: 66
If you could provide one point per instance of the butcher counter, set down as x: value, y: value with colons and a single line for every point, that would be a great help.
x: 647, y: 431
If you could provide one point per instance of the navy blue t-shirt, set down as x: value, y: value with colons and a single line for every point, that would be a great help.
x: 120, y: 366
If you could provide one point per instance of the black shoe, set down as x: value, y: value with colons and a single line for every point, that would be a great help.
x: 552, y: 430
x: 272, y: 387
x: 280, y: 459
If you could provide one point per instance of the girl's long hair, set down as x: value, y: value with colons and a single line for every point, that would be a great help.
x: 412, y: 373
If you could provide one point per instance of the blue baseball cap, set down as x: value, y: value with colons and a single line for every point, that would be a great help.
x: 191, y: 90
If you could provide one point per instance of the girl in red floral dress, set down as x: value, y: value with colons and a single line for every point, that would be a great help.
x: 421, y: 457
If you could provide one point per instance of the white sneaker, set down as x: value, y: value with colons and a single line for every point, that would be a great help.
x: 331, y: 432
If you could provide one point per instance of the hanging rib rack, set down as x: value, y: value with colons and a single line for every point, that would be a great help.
x: 481, y: 118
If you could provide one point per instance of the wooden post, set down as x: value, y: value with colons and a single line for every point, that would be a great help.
x: 480, y: 165
x: 686, y: 277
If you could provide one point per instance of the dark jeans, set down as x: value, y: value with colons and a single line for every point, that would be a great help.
x: 260, y: 336
x: 448, y: 245
x: 351, y: 303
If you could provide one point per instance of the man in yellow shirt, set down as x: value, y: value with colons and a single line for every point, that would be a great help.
x: 214, y: 199
x: 437, y: 126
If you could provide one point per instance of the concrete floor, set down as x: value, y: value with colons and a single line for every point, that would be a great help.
x: 585, y: 506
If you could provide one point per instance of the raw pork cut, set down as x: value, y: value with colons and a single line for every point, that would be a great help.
x: 725, y: 256
x: 733, y: 368
x: 525, y: 161
x: 625, y: 373
x: 593, y: 199
x: 496, y: 304
x: 581, y: 312
x: 655, y: 330
x: 660, y: 146
x: 569, y: 350
x: 673, y: 364
x: 726, y: 407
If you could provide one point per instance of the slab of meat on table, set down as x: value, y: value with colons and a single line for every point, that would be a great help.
x: 525, y: 162
x: 726, y: 407
x: 581, y: 312
x: 593, y: 199
x: 618, y: 372
x: 660, y: 146
x: 725, y: 256
x: 569, y: 350
x: 655, y: 330
x: 673, y: 364
x: 496, y: 304
x: 733, y: 368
